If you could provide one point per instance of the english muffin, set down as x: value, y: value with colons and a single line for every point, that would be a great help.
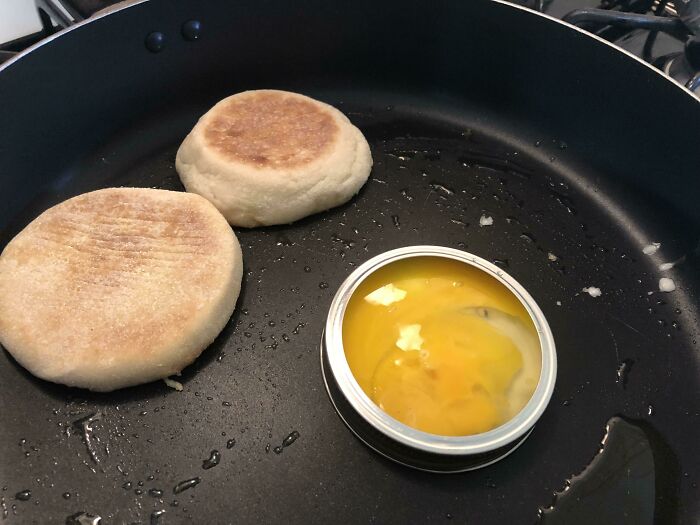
x: 272, y: 157
x: 118, y: 287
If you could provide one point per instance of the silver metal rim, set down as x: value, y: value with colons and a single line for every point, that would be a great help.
x: 121, y: 6
x: 394, y: 429
x: 507, y: 453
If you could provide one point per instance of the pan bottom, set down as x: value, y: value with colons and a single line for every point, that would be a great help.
x: 439, y: 169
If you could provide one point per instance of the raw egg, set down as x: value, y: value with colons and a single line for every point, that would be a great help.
x: 441, y: 346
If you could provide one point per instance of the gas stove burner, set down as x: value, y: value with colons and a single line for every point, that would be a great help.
x: 684, y: 67
x: 667, y: 8
x: 680, y: 20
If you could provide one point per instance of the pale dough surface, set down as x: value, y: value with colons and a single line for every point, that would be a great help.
x: 118, y: 287
x: 272, y: 157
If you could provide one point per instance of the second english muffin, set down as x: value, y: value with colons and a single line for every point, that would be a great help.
x: 272, y: 157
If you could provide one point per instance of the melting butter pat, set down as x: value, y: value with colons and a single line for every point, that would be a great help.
x: 409, y: 337
x: 386, y: 295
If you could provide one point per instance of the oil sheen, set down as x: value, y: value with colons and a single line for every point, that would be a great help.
x: 441, y: 346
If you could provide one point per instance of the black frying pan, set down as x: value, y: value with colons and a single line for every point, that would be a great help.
x: 573, y: 147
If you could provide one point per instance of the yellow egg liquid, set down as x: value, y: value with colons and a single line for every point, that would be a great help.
x: 441, y: 346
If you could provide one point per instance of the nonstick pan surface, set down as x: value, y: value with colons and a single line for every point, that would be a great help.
x: 568, y: 213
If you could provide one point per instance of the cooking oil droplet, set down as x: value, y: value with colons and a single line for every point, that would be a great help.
x: 230, y: 443
x: 623, y: 371
x: 65, y: 495
x: 345, y: 242
x: 267, y: 448
x: 291, y: 438
x: 528, y: 237
x: 395, y: 220
x: 127, y: 485
x: 440, y: 188
x: 503, y: 263
x: 564, y: 201
x: 85, y: 426
x: 323, y: 285
x: 288, y: 440
x: 650, y: 410
x: 187, y: 484
x: 404, y: 193
x: 212, y: 461
x: 155, y: 516
x: 156, y: 493
x: 283, y: 240
x: 307, y: 269
x: 24, y: 495
x: 83, y: 518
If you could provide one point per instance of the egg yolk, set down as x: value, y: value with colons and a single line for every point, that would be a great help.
x: 441, y: 346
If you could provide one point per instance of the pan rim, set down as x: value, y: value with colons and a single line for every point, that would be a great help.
x: 130, y: 4
x: 116, y: 8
